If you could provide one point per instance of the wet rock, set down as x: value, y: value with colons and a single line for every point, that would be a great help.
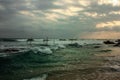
x: 108, y: 42
x: 97, y: 46
x: 8, y: 40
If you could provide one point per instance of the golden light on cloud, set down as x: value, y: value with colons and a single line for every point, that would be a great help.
x: 115, y: 12
x: 63, y: 2
x: 108, y: 24
x: 75, y: 9
x: 101, y: 35
x: 63, y: 13
x: 54, y: 17
x: 71, y: 11
x: 109, y: 2
x: 27, y: 13
x: 84, y: 2
x: 94, y: 14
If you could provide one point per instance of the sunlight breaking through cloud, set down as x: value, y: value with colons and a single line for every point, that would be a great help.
x: 111, y: 24
x: 101, y: 35
x: 109, y: 2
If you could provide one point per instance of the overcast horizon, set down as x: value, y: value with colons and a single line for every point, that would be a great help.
x: 91, y: 19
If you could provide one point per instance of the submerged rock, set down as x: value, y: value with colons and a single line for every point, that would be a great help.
x: 75, y: 45
x: 62, y: 39
x: 11, y: 50
x: 97, y: 46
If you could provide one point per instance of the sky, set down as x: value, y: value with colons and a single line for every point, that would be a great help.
x: 93, y: 19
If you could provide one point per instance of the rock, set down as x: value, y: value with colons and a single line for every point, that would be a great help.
x: 108, y: 42
x: 97, y: 46
x: 62, y: 39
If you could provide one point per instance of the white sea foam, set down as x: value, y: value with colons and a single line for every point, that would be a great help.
x: 42, y: 77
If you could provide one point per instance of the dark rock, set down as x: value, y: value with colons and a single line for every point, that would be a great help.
x: 10, y: 50
x: 62, y: 39
x: 97, y: 46
x: 8, y: 40
x: 108, y: 42
x: 30, y: 39
x: 75, y: 45
x: 73, y: 39
x: 117, y: 43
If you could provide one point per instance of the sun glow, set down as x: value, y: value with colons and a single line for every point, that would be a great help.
x: 111, y: 2
x: 116, y: 2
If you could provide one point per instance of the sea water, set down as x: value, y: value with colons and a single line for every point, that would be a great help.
x: 52, y: 62
x: 36, y: 42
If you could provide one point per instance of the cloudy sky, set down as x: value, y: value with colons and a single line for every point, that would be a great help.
x: 60, y: 18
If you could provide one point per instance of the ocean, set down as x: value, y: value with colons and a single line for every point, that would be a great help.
x: 32, y: 64
x: 23, y: 43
